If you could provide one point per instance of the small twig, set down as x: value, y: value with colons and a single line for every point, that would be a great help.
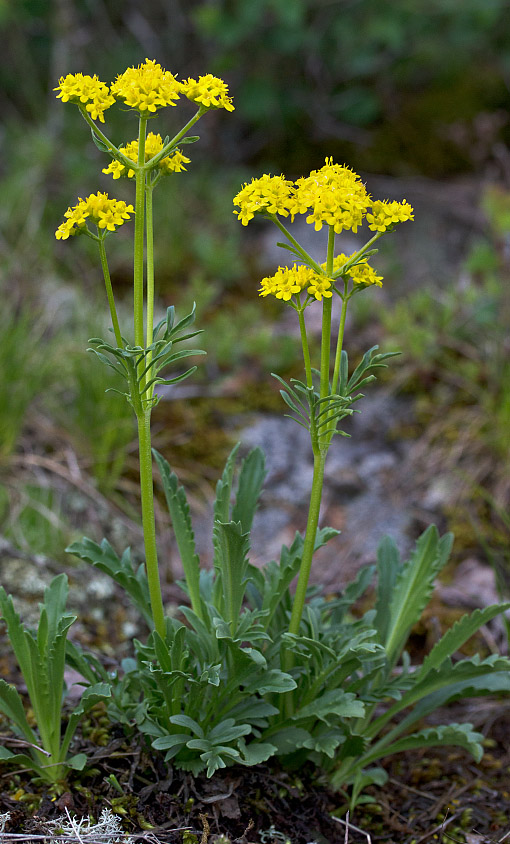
x: 438, y: 828
x: 348, y: 825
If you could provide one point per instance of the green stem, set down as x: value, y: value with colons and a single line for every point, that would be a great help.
x: 138, y: 264
x: 109, y: 293
x: 326, y: 320
x: 97, y: 131
x: 148, y: 521
x: 354, y: 259
x: 306, y: 348
x: 340, y: 340
x: 309, y: 543
x: 175, y: 140
x: 150, y: 280
x: 306, y: 257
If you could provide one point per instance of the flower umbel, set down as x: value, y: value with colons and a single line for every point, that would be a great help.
x: 208, y: 91
x: 85, y: 90
x: 268, y: 193
x: 385, y: 214
x: 105, y: 213
x: 153, y: 144
x: 147, y: 87
x: 333, y: 195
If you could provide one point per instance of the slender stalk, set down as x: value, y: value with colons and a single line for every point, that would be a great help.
x: 327, y: 305
x: 102, y: 137
x: 297, y: 246
x: 109, y: 292
x: 309, y: 543
x: 306, y: 348
x: 175, y: 140
x: 148, y: 521
x: 340, y: 340
x: 149, y: 228
x: 138, y: 263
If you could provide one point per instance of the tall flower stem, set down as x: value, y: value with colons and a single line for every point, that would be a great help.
x: 150, y: 277
x: 109, y: 292
x: 309, y: 543
x: 143, y: 408
x: 138, y: 263
x: 148, y: 520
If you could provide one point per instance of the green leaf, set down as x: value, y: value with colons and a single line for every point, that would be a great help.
x: 104, y: 558
x: 99, y: 143
x: 273, y: 680
x: 333, y: 702
x: 457, y: 635
x: 388, y: 566
x: 251, y: 478
x: 224, y: 489
x: 459, y: 735
x: 255, y: 753
x: 232, y: 563
x: 290, y: 739
x: 413, y: 587
x: 178, y: 508
x: 77, y: 762
x: 186, y: 721
x: 325, y: 740
x: 12, y: 707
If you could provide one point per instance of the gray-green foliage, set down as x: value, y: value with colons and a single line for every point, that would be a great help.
x: 214, y: 692
x: 41, y: 658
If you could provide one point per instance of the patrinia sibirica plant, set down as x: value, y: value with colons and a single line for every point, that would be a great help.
x: 254, y: 668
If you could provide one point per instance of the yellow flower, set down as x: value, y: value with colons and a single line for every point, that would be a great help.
x: 385, y: 214
x: 320, y: 286
x: 333, y: 195
x: 268, y: 193
x: 153, y: 144
x: 85, y: 90
x: 147, y: 87
x: 361, y: 273
x: 209, y: 91
x: 286, y: 282
x: 105, y: 213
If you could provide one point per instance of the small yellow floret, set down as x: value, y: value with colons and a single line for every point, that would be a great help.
x: 209, y: 91
x: 286, y: 282
x: 85, y: 90
x: 153, y: 144
x: 361, y: 274
x: 268, y: 193
x: 105, y: 213
x: 147, y: 87
x: 385, y: 214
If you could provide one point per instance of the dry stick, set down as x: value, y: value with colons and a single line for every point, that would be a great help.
x: 438, y: 828
x: 348, y: 825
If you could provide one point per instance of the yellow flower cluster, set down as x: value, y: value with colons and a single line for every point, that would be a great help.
x: 85, y: 90
x: 385, y: 214
x: 361, y: 273
x: 286, y: 282
x: 209, y: 91
x: 268, y: 193
x: 147, y: 87
x: 333, y: 195
x: 105, y: 213
x: 153, y: 144
x: 290, y: 280
x: 144, y: 88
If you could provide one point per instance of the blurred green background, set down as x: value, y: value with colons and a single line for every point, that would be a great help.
x: 413, y: 94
